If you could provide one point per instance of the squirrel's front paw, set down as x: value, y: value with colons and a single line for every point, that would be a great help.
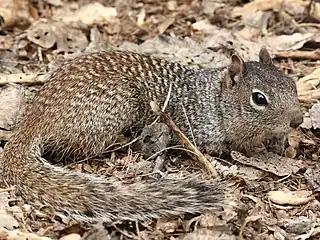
x: 255, y: 149
x: 277, y: 144
x: 217, y: 149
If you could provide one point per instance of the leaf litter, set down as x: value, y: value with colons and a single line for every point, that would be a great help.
x: 276, y: 197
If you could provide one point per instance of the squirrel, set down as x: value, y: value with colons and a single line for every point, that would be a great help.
x: 90, y: 100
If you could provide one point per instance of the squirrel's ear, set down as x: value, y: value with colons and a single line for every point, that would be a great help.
x: 264, y: 56
x: 237, y: 67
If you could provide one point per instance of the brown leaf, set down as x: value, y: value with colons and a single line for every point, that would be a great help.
x: 164, y: 25
x: 287, y: 197
x: 270, y: 162
x: 168, y: 226
x: 11, y: 107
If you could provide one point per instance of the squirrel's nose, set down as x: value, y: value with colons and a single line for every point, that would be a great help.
x: 297, y: 119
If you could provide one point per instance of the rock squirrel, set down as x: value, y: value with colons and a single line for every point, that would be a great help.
x: 91, y: 99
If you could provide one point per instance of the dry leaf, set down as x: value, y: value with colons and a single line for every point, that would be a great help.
x: 307, y: 87
x: 209, y: 7
x: 6, y: 219
x: 287, y: 42
x: 207, y: 234
x: 17, y: 235
x: 10, y: 12
x: 297, y: 225
x: 211, y: 220
x: 93, y: 13
x: 313, y: 178
x: 293, y: 6
x: 168, y: 225
x: 172, y: 5
x: 56, y: 3
x: 42, y: 34
x: 164, y: 25
x: 270, y: 162
x: 290, y: 152
x: 294, y: 139
x: 141, y: 17
x: 314, y: 117
x: 287, y: 197
x: 204, y: 26
x: 249, y: 173
x: 47, y: 33
x: 11, y: 107
x: 184, y: 50
x: 72, y: 236
x: 315, y: 10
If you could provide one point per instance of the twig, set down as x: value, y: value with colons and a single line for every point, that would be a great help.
x: 185, y: 141
x: 128, y: 235
x: 21, y: 78
x: 6, y: 189
x: 101, y: 154
x: 40, y: 55
x: 165, y: 103
x: 122, y: 146
x: 299, y: 54
x: 317, y: 25
x: 160, y: 151
x: 189, y: 125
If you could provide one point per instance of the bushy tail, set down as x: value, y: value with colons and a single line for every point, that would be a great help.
x: 87, y: 198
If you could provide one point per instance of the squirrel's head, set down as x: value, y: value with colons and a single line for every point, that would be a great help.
x: 257, y: 99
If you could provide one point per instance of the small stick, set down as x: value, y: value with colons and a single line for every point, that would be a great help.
x: 197, y: 155
x: 299, y: 54
x: 22, y: 78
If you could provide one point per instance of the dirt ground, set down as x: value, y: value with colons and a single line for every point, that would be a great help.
x: 273, y: 198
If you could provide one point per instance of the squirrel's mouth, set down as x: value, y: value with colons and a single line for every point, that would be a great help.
x: 281, y: 129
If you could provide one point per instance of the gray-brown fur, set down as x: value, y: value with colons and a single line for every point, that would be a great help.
x: 90, y: 100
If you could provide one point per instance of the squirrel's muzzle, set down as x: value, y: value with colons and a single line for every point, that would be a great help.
x: 297, y: 118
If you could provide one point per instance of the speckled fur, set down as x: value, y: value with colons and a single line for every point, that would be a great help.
x: 89, y: 100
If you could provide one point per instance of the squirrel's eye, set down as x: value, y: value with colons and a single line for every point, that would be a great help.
x: 258, y: 100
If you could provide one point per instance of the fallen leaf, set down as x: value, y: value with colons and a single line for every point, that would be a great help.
x: 48, y: 33
x: 313, y: 178
x: 72, y: 236
x: 287, y: 197
x: 270, y: 162
x: 211, y: 220
x: 164, y: 25
x: 6, y: 219
x: 141, y: 17
x: 210, y: 6
x: 296, y: 225
x: 172, y: 5
x: 56, y: 3
x: 287, y: 42
x: 11, y: 107
x: 292, y: 6
x: 207, y: 234
x: 18, y: 235
x: 93, y: 13
x: 204, y: 26
x: 42, y: 34
x: 307, y: 87
x: 8, y: 13
x: 168, y: 225
x: 312, y: 120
